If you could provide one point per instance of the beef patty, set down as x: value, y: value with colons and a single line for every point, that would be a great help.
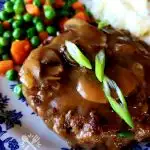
x: 70, y: 99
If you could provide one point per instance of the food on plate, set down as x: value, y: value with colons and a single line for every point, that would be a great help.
x: 91, y: 86
x: 130, y: 15
x: 25, y: 24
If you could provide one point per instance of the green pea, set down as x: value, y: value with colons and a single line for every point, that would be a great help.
x: 20, y: 18
x: 11, y: 20
x: 18, y: 90
x: 17, y: 33
x: 3, y: 15
x: 36, y: 19
x: 27, y: 17
x: 7, y: 34
x: 51, y: 30
x: 13, y: 1
x: 37, y: 3
x: 39, y: 27
x: 3, y: 41
x: 49, y: 12
x: 35, y: 41
x: 19, y: 7
x: 1, y: 29
x: 16, y: 24
x: 11, y: 75
x: 8, y: 6
x: 31, y: 32
x: 5, y: 57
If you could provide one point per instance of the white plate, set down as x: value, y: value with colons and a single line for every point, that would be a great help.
x: 22, y: 121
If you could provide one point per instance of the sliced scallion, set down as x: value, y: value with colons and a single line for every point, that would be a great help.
x: 102, y: 24
x: 100, y: 65
x: 120, y: 108
x: 77, y: 55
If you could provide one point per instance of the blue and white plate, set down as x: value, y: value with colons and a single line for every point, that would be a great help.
x: 21, y: 129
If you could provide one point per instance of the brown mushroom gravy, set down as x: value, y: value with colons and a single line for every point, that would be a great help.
x: 71, y: 100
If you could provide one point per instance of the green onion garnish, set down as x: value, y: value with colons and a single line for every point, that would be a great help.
x: 120, y: 108
x: 100, y: 65
x: 125, y: 134
x: 102, y: 24
x: 77, y: 55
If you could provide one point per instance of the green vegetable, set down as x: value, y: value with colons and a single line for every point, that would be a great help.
x: 19, y: 7
x: 3, y: 15
x: 31, y: 32
x: 19, y: 17
x: 13, y: 1
x: 102, y: 24
x: 120, y: 108
x: 36, y: 19
x: 8, y: 6
x: 5, y: 57
x: 100, y: 65
x: 11, y: 75
x: 7, y: 34
x: 27, y: 17
x: 37, y: 3
x: 11, y: 20
x: 16, y: 24
x: 51, y: 30
x: 77, y: 55
x: 125, y: 134
x: 17, y: 33
x: 49, y: 12
x: 39, y: 27
x: 3, y: 41
x: 1, y: 29
x: 35, y: 41
x: 18, y: 90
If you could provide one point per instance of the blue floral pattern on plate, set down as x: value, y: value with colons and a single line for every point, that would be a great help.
x: 9, y: 118
x: 14, y: 114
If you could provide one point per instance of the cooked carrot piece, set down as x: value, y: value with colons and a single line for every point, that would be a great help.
x: 20, y: 50
x: 5, y: 66
x: 6, y: 25
x: 28, y: 1
x: 78, y: 6
x: 43, y: 36
x: 33, y: 9
x: 82, y: 15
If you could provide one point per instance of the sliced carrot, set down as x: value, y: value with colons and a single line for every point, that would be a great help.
x: 43, y: 36
x: 28, y: 1
x: 33, y: 9
x: 5, y: 66
x: 59, y: 3
x: 20, y: 50
x: 78, y: 6
x: 6, y: 25
x: 62, y: 22
x: 82, y: 15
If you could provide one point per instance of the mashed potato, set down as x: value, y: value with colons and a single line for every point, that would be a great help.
x: 131, y: 15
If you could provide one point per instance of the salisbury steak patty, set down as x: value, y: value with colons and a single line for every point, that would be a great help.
x: 70, y: 99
